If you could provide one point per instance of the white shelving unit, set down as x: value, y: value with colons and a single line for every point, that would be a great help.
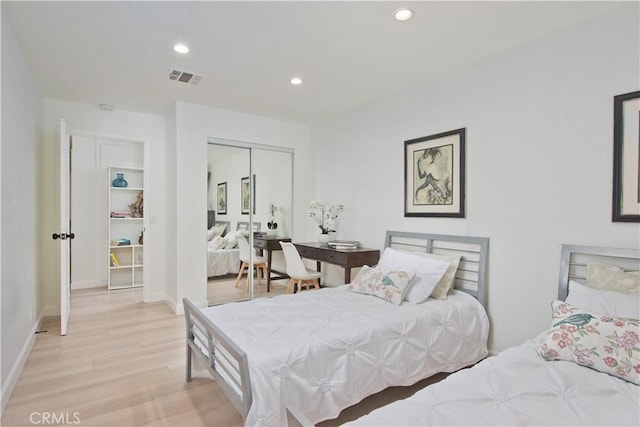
x: 128, y: 271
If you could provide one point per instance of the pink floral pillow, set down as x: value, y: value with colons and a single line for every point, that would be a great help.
x: 388, y: 285
x: 604, y: 343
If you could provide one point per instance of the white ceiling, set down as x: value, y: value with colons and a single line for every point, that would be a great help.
x: 347, y: 53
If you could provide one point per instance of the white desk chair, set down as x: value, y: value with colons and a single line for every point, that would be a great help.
x: 296, y: 270
x: 259, y: 263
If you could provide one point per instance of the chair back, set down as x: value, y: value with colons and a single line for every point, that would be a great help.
x: 295, y: 266
x: 244, y: 248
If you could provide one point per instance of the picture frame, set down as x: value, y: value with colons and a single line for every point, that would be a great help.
x: 221, y: 198
x: 626, y: 157
x: 245, y: 193
x: 434, y: 181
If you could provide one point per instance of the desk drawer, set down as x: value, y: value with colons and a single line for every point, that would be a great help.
x: 325, y: 255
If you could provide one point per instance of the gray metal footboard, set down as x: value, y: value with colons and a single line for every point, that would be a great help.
x: 222, y: 357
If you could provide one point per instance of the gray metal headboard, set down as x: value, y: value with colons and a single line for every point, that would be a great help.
x: 574, y: 260
x: 244, y: 225
x: 471, y: 275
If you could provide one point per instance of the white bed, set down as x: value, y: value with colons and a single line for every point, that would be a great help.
x: 221, y: 261
x: 519, y: 387
x: 326, y: 350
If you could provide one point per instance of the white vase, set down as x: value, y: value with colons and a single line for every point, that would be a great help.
x: 323, y: 238
x: 272, y: 232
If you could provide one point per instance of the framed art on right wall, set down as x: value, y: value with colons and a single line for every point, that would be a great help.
x: 626, y: 157
x: 434, y: 168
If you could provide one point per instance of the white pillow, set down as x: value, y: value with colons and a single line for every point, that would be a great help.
x: 231, y: 241
x: 445, y: 284
x: 217, y: 230
x: 217, y: 243
x: 610, y: 303
x: 427, y: 272
x: 210, y: 234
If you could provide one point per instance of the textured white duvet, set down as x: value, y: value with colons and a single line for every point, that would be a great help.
x: 326, y: 350
x: 222, y: 261
x: 517, y: 388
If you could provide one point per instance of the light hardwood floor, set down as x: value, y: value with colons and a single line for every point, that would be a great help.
x: 223, y: 289
x: 122, y: 364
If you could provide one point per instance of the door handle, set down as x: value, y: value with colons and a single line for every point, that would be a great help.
x: 63, y: 236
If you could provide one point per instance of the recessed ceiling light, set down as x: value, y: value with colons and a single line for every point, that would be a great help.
x: 180, y: 48
x: 296, y: 81
x: 402, y: 14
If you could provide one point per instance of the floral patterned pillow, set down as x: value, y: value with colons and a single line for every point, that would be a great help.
x: 604, y: 343
x: 388, y: 285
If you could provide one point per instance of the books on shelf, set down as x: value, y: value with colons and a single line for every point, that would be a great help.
x: 115, y: 262
x: 121, y: 242
x: 343, y: 245
x: 115, y: 214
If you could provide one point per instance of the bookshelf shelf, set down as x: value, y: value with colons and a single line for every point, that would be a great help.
x: 125, y: 262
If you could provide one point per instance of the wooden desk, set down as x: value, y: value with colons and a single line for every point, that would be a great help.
x: 269, y: 244
x: 346, y: 259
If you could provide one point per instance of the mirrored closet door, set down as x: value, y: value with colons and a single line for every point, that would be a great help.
x: 249, y: 210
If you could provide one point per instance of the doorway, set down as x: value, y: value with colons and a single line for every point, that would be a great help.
x: 248, y: 187
x: 92, y: 158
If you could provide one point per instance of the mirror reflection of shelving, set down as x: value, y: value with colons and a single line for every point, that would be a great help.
x: 126, y: 228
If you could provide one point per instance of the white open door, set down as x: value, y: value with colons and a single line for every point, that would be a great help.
x: 65, y: 235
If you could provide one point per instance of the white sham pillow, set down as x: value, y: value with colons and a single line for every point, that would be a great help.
x: 445, y: 285
x: 217, y: 230
x: 231, y: 241
x: 427, y: 272
x: 217, y: 243
x: 610, y: 303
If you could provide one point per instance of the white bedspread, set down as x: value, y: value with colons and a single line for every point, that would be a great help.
x: 516, y: 388
x: 326, y: 350
x: 222, y: 261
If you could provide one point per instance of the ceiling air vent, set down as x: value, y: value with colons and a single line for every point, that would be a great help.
x: 184, y: 77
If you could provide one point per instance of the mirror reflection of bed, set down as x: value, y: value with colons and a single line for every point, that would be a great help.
x: 228, y: 167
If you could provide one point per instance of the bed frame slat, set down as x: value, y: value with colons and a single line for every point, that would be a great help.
x: 226, y: 362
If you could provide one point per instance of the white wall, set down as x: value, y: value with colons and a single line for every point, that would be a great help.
x: 20, y: 228
x: 119, y: 125
x: 194, y: 124
x: 539, y: 160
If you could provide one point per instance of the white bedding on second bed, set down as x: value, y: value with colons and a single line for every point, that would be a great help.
x: 222, y: 261
x: 517, y: 387
x: 331, y: 348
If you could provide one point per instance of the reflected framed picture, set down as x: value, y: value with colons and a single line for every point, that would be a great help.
x: 221, y: 199
x: 626, y: 157
x: 434, y: 181
x: 245, y: 194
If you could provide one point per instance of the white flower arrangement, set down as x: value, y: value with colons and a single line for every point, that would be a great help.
x: 325, y: 215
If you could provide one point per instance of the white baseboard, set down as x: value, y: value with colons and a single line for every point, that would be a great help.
x: 18, y: 366
x: 160, y: 296
x: 178, y: 309
x: 88, y: 285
